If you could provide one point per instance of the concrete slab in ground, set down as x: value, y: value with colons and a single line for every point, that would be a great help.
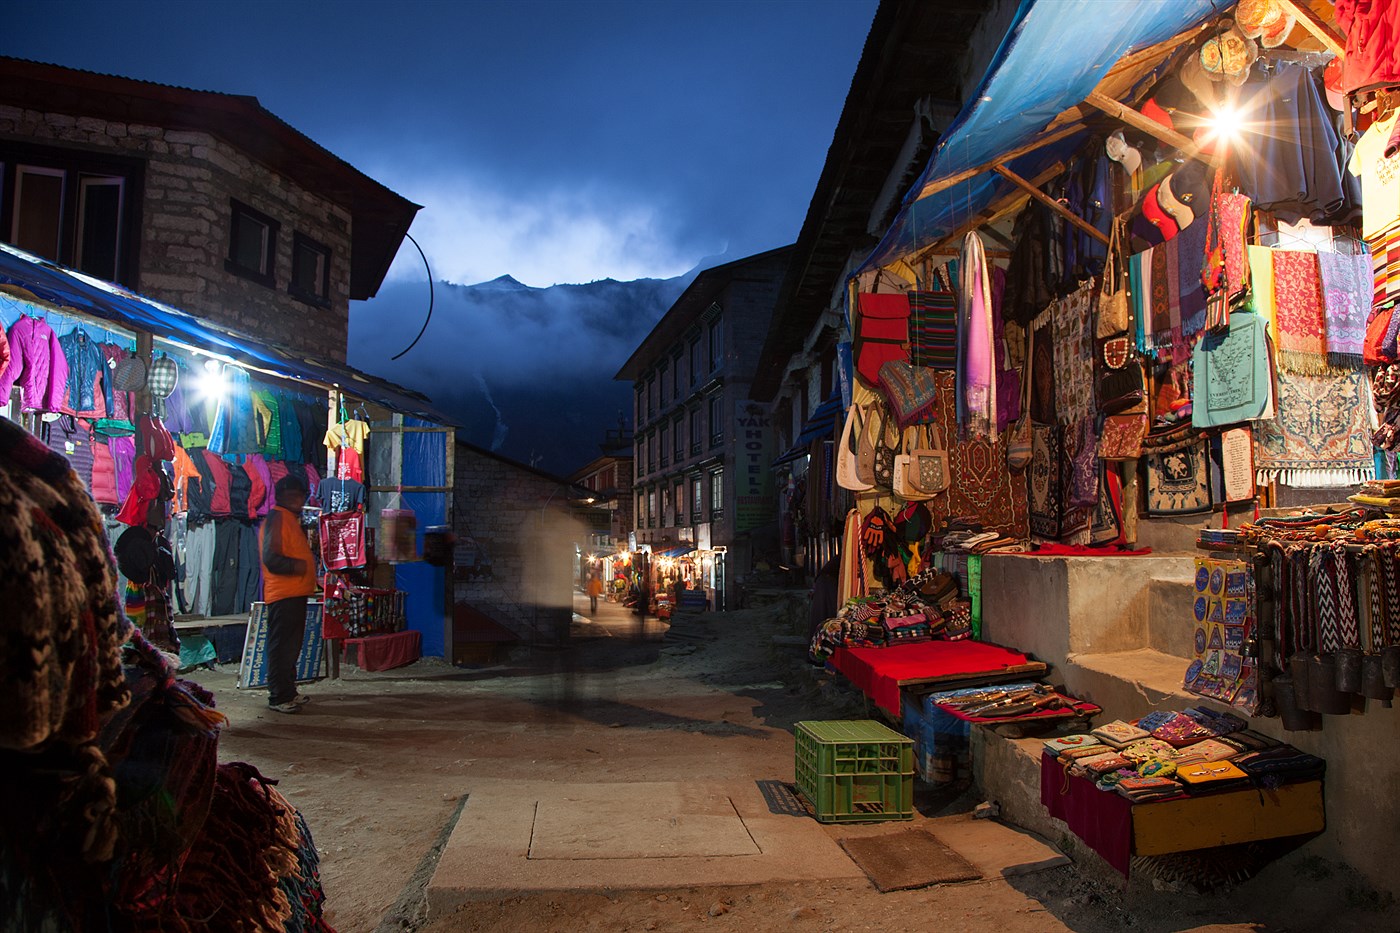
x: 520, y: 837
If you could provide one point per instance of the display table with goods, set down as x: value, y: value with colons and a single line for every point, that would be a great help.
x: 881, y: 672
x: 1179, y: 781
x: 1322, y: 587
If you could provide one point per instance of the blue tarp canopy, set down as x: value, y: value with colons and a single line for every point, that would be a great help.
x: 1054, y: 54
x: 678, y: 551
x: 819, y: 424
x: 63, y: 288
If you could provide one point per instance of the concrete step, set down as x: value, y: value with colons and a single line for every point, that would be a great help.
x: 1168, y: 613
x: 1128, y: 684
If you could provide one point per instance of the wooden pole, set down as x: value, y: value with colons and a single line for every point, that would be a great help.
x: 1126, y: 114
x: 1315, y: 24
x: 1051, y: 203
x: 949, y: 181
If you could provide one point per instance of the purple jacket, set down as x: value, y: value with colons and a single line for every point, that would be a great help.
x: 37, y: 363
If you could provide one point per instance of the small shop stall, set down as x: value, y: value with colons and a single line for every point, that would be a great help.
x: 1188, y: 312
x: 157, y: 410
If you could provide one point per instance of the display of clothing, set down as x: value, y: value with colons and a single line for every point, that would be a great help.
x: 234, y: 578
x: 87, y: 369
x: 1372, y: 29
x: 37, y: 364
x: 289, y: 426
x: 267, y: 414
x: 123, y: 451
x: 214, y: 477
x: 198, y: 567
x: 121, y: 407
x: 341, y: 495
x: 349, y: 464
x: 1380, y: 179
x: 235, y: 429
x: 260, y: 505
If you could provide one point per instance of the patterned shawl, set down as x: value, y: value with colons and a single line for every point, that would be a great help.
x: 977, y: 401
x: 1302, y: 344
x: 1346, y: 302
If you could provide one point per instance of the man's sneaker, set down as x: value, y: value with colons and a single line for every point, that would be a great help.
x: 284, y: 707
x: 301, y: 699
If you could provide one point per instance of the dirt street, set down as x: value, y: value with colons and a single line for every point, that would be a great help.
x: 380, y: 762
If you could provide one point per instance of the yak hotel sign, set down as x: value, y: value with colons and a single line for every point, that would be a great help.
x: 754, y: 503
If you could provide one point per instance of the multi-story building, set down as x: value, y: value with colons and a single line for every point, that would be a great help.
x: 609, y: 477
x: 205, y: 201
x: 702, y: 449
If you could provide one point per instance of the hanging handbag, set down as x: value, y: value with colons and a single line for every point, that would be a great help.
x: 889, y: 444
x: 847, y: 470
x: 865, y: 444
x: 921, y: 472
x: 880, y: 333
x: 1114, y: 315
x: 1121, y: 437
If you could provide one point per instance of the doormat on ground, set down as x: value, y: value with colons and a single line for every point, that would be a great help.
x: 909, y: 859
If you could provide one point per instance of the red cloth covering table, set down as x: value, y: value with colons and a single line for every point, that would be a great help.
x: 382, y: 652
x: 880, y: 672
x: 1103, y: 819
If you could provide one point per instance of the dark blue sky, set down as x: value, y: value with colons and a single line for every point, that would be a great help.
x: 552, y: 141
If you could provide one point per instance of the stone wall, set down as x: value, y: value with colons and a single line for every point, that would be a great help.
x: 185, y: 224
x: 528, y: 538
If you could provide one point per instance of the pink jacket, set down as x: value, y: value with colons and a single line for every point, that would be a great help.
x: 37, y: 363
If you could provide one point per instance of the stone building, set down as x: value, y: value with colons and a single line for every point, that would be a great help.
x: 205, y: 201
x: 519, y: 533
x: 703, y: 487
x: 609, y: 478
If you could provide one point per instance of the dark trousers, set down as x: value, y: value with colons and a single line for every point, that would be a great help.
x: 286, y: 628
x: 593, y: 604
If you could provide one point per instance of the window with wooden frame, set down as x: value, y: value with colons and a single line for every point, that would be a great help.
x: 311, y: 271
x: 252, y: 244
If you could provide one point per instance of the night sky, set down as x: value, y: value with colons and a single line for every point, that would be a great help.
x: 554, y: 142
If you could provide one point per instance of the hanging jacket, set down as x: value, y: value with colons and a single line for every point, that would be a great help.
x: 290, y: 428
x: 121, y: 407
x: 184, y: 472
x: 86, y: 368
x: 37, y: 364
x: 215, y: 474
x: 266, y: 411
x: 235, y: 429
x: 104, y: 475
x: 257, y: 463
x: 124, y: 463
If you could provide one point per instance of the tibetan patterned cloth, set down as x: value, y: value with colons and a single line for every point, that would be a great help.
x: 933, y: 329
x: 1322, y: 434
x: 1302, y: 341
x: 1072, y: 321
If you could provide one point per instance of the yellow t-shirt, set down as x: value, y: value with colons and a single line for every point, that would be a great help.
x: 1380, y: 179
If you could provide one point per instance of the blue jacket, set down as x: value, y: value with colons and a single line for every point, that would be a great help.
x: 85, y: 363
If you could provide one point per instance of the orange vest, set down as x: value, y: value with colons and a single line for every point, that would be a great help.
x: 292, y: 543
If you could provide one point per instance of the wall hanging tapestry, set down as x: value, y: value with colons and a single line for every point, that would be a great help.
x: 1072, y: 323
x: 1178, y: 481
x: 1231, y: 381
x: 1043, y: 477
x: 1321, y: 434
x: 1223, y: 625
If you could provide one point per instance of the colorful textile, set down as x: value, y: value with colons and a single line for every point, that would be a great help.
x: 1043, y: 478
x: 1321, y: 435
x: 1071, y: 318
x: 1346, y: 304
x: 1159, y: 283
x: 1103, y: 821
x: 1385, y: 267
x: 1234, y: 210
x: 1231, y: 374
x: 1191, y: 253
x: 1222, y: 618
x: 933, y: 329
x: 1302, y: 341
x: 878, y: 672
x: 1178, y: 482
x: 1261, y: 281
x: 977, y: 403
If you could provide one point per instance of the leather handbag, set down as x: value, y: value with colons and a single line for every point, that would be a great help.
x: 889, y: 443
x: 922, y: 473
x: 865, y: 445
x: 847, y: 473
x: 1114, y: 314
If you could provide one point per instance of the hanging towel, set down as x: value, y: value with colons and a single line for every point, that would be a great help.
x: 977, y: 402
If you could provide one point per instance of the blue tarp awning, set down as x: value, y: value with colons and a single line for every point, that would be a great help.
x: 67, y: 288
x: 678, y: 551
x: 821, y: 423
x: 1054, y: 54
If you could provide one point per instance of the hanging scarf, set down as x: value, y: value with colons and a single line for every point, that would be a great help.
x: 977, y: 403
x: 1376, y: 591
x: 1323, y: 565
x: 1345, y: 306
x: 1348, y: 621
x: 1261, y: 282
x: 1391, y: 576
x: 1302, y: 346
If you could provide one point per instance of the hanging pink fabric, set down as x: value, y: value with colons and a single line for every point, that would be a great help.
x: 343, y: 539
x: 977, y: 400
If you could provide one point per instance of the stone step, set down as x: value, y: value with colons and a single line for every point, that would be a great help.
x: 1168, y: 613
x: 1128, y: 684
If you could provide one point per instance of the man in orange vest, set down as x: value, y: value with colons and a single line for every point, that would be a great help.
x: 289, y: 577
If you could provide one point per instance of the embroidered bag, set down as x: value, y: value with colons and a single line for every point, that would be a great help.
x: 922, y: 473
x: 910, y: 391
x: 888, y: 444
x: 1114, y: 315
x: 847, y: 472
x: 1121, y: 437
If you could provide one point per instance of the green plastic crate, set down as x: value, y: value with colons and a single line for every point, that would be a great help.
x: 855, y: 771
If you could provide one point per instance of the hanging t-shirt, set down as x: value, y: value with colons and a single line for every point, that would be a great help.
x: 1380, y: 179
x: 341, y: 495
